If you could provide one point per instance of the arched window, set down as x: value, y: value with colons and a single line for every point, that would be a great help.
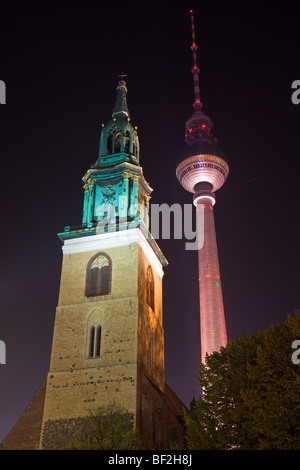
x: 95, y: 341
x: 98, y: 276
x: 150, y: 288
x: 134, y: 148
x: 109, y: 148
x: 92, y: 341
x: 127, y: 142
x: 117, y: 143
x: 113, y: 143
x: 98, y: 341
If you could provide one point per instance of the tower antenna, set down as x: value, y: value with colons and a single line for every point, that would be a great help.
x: 195, y: 70
x: 202, y: 170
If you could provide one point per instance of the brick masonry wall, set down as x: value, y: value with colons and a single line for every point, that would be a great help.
x: 132, y: 340
x: 77, y: 383
x: 74, y: 393
x: 159, y: 415
x: 150, y: 326
x: 57, y: 434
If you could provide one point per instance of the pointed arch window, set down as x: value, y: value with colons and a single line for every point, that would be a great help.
x: 95, y: 341
x: 134, y: 148
x: 109, y: 148
x: 113, y: 142
x: 127, y: 142
x: 150, y: 288
x: 92, y: 340
x: 135, y: 145
x: 98, y: 276
x: 98, y: 341
x: 117, y: 143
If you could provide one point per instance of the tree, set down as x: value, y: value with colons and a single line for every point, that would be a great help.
x: 250, y: 393
x: 108, y: 428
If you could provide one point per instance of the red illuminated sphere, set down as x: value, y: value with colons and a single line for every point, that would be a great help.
x: 202, y: 160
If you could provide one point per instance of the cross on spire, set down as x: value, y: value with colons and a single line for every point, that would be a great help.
x: 123, y: 75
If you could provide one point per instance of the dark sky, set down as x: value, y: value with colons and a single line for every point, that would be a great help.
x: 61, y: 66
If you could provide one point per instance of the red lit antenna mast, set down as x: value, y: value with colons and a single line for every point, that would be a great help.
x: 202, y: 170
x: 195, y: 70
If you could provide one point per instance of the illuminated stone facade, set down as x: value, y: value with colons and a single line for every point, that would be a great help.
x: 132, y: 337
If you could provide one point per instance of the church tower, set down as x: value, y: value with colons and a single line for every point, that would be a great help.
x: 108, y: 340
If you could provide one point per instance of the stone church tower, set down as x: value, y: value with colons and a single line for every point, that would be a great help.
x: 108, y: 340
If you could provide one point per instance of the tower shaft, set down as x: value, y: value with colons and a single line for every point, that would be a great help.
x: 212, y: 318
x: 203, y: 169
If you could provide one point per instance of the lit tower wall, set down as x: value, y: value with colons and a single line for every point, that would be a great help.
x: 202, y: 170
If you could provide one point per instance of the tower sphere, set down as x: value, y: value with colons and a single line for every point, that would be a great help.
x: 202, y: 160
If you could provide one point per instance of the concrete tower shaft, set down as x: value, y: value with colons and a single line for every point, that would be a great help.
x: 212, y: 318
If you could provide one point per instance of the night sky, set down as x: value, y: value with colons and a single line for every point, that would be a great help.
x: 61, y: 66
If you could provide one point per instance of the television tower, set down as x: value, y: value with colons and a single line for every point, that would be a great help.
x: 202, y: 170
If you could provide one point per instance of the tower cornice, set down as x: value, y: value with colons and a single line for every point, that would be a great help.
x: 99, y: 174
x: 89, y: 240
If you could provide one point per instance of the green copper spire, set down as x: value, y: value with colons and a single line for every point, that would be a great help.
x: 121, y: 108
x: 119, y: 140
x: 115, y: 189
x: 116, y: 194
